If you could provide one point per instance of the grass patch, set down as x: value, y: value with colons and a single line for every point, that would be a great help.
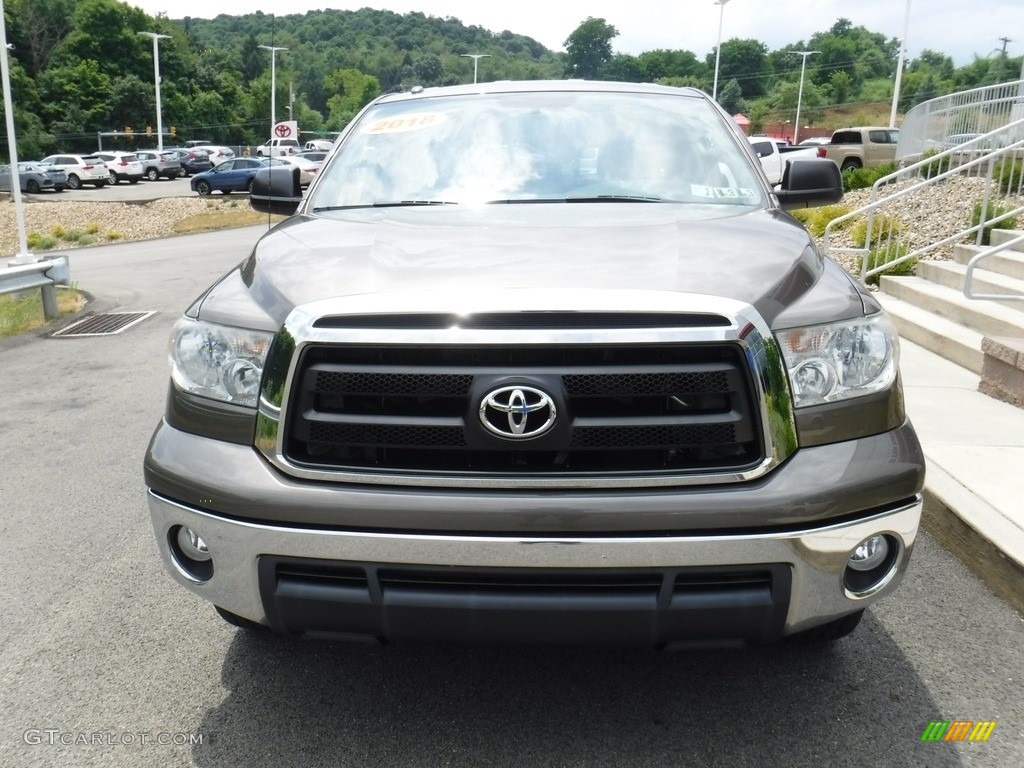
x: 22, y: 313
x: 205, y: 222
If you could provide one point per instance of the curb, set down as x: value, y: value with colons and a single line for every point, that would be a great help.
x: 969, y: 528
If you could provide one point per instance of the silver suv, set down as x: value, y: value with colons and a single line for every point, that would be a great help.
x: 80, y: 169
x: 156, y: 164
x: 538, y: 361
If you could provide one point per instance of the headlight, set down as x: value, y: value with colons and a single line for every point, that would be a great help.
x: 218, y: 361
x: 840, y: 360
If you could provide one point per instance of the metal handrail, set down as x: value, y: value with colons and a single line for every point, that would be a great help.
x: 984, y: 160
x: 973, y: 263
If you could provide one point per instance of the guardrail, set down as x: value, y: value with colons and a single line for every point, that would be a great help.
x: 44, y: 275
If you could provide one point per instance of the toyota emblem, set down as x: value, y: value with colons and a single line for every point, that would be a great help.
x: 517, y: 412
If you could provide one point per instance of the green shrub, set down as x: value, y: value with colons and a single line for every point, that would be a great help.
x: 816, y: 219
x: 73, y: 235
x: 887, y: 253
x: 113, y: 234
x: 38, y: 242
x: 994, y: 212
x: 58, y: 231
x: 884, y: 228
x: 92, y: 229
x: 935, y: 167
x: 862, y: 178
x: 1008, y: 176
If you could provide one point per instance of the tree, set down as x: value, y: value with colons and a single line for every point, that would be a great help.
x: 842, y: 85
x: 589, y: 48
x: 746, y: 62
x: 731, y: 97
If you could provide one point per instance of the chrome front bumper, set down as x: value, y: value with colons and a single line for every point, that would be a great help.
x: 817, y: 555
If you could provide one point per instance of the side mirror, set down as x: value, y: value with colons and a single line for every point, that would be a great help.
x: 810, y: 183
x: 276, y: 190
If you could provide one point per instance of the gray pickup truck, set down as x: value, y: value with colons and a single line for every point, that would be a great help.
x: 538, y: 362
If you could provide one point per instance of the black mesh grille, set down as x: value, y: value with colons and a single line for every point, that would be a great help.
x: 633, y: 408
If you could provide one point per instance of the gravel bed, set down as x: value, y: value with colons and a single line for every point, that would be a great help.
x: 937, y: 212
x: 125, y: 221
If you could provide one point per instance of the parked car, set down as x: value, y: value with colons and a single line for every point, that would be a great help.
x: 196, y: 143
x: 122, y: 166
x: 308, y: 163
x: 80, y: 169
x: 323, y: 145
x: 233, y: 175
x: 218, y: 153
x: 192, y: 161
x: 157, y: 164
x: 538, y: 362
x: 34, y: 178
x: 815, y: 141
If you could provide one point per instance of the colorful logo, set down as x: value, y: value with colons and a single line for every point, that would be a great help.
x: 958, y: 730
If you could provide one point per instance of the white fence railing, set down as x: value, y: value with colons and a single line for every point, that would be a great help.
x: 948, y: 121
x: 965, y: 190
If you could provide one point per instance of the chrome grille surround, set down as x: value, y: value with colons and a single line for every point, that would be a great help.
x: 742, y: 327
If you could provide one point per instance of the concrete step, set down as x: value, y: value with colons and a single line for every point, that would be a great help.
x: 984, y: 317
x: 1009, y: 262
x: 952, y: 275
x: 939, y: 336
x: 1000, y: 236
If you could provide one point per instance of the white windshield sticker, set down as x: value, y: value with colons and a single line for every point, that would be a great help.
x: 721, y: 193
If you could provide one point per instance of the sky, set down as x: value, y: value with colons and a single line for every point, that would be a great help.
x: 954, y: 27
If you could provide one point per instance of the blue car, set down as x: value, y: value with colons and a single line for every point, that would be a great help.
x: 233, y: 175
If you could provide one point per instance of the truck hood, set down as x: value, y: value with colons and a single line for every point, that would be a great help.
x: 763, y: 258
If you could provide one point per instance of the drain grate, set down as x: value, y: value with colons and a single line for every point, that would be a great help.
x: 102, y: 324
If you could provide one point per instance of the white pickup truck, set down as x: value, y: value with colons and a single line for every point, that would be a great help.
x: 774, y: 153
x: 277, y: 148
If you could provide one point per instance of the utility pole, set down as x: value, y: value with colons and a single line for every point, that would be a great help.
x: 1002, y: 58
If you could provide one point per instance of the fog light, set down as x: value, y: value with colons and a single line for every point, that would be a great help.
x: 871, y: 565
x: 869, y: 554
x: 189, y: 554
x: 192, y: 545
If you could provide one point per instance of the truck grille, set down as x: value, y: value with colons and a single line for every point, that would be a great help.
x: 620, y: 408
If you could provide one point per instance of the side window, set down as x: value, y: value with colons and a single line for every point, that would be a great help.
x: 227, y: 165
x: 762, y: 148
x: 894, y: 137
x: 878, y: 137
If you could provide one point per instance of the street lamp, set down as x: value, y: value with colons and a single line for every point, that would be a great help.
x: 800, y: 92
x: 156, y: 81
x: 273, y: 83
x: 476, y: 59
x: 718, y: 50
x: 899, y: 67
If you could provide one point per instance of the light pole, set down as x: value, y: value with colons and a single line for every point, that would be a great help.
x: 273, y: 83
x: 476, y: 60
x: 718, y: 50
x: 899, y: 67
x: 156, y: 81
x: 800, y: 92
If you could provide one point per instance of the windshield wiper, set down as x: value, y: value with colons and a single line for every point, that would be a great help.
x: 614, y: 199
x: 384, y: 204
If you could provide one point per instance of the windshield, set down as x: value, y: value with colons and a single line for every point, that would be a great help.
x: 538, y: 147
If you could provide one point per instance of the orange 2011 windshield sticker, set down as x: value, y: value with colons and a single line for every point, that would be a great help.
x: 415, y: 121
